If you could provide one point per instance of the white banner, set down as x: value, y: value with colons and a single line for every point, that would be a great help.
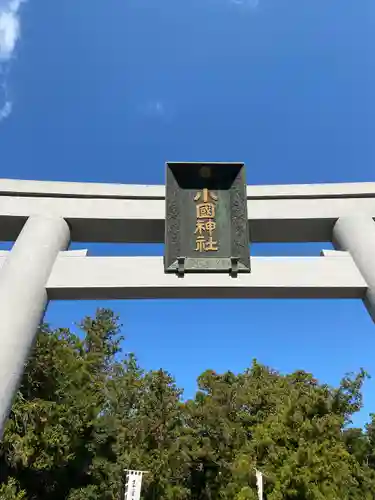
x: 259, y: 477
x: 133, y: 485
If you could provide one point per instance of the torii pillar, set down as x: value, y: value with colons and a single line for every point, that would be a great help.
x: 356, y: 235
x: 23, y: 298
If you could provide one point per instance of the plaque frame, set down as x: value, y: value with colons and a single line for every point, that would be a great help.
x: 178, y: 259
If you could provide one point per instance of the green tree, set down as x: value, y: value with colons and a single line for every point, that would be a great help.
x: 370, y: 432
x: 85, y: 412
x: 51, y: 438
x: 148, y: 418
x: 290, y: 427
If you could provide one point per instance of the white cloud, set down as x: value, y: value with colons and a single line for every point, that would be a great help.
x: 6, y: 110
x: 156, y: 108
x: 161, y: 110
x: 9, y: 35
x: 252, y: 4
x: 9, y: 27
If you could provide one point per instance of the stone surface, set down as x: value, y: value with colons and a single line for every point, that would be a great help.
x: 18, y: 187
x: 357, y: 236
x: 23, y: 298
x: 114, y: 220
x: 144, y: 277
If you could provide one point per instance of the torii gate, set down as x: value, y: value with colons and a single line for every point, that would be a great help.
x: 44, y: 217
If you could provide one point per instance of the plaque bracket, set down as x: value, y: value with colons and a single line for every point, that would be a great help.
x: 181, y: 267
x: 234, y: 267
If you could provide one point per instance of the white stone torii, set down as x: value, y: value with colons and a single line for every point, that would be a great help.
x: 43, y: 217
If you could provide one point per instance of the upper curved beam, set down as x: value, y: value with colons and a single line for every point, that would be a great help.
x: 15, y: 187
x: 136, y: 214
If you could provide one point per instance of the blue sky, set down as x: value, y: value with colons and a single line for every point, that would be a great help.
x: 110, y: 90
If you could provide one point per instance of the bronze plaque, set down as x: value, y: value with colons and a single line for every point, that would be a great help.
x: 206, y: 227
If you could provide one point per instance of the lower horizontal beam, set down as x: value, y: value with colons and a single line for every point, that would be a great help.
x: 65, y: 253
x: 103, y: 278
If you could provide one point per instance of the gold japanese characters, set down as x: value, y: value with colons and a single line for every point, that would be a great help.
x: 205, y: 227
